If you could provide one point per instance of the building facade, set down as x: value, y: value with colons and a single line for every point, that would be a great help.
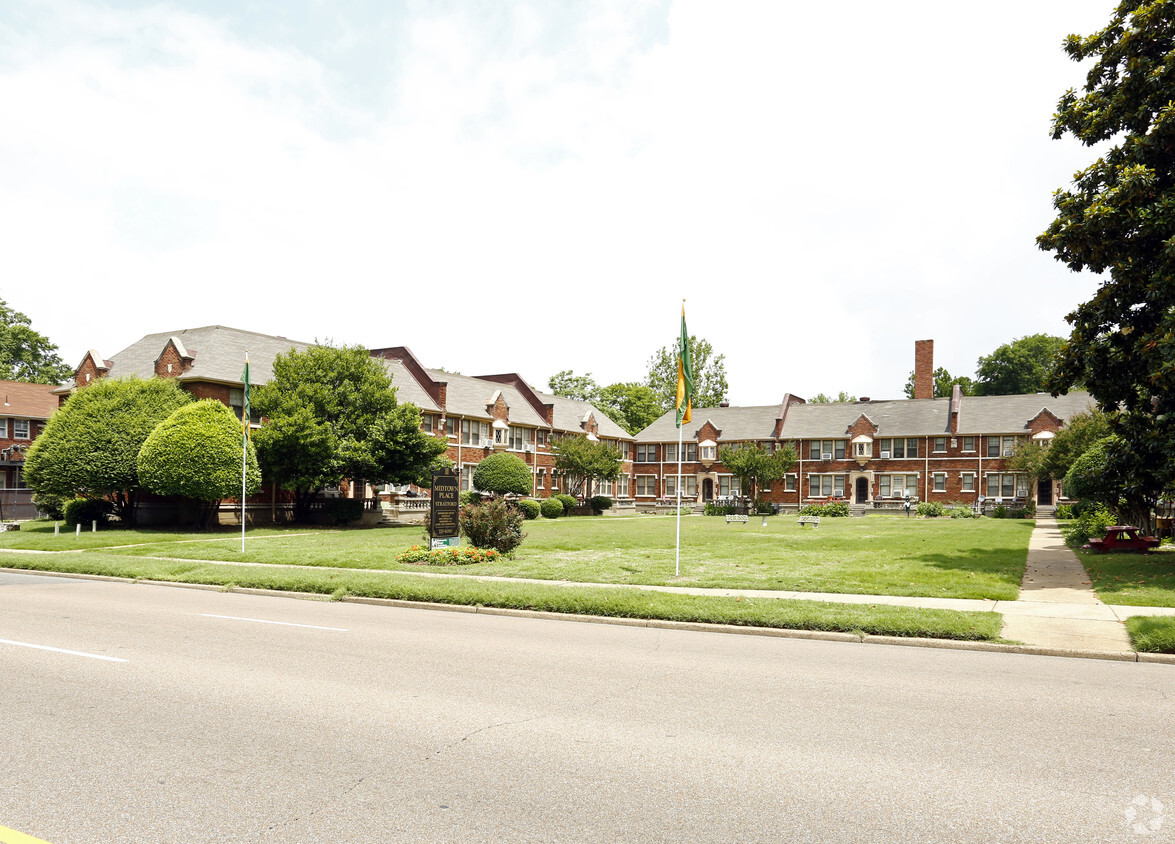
x: 26, y: 409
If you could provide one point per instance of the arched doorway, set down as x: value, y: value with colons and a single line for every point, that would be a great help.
x: 708, y: 489
x: 862, y: 490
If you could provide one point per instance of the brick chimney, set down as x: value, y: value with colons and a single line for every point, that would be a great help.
x: 923, y: 369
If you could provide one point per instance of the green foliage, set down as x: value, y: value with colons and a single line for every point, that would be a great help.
x: 578, y: 387
x: 961, y: 511
x: 600, y: 503
x: 333, y: 415
x: 1063, y: 511
x: 1116, y: 221
x: 944, y: 384
x: 492, y: 524
x: 835, y: 509
x: 569, y: 502
x: 463, y: 555
x: 341, y: 511
x: 1022, y: 366
x: 530, y: 508
x: 90, y: 447
x: 1091, y: 524
x: 502, y: 474
x: 1152, y: 635
x: 712, y: 509
x: 1114, y: 473
x: 196, y: 453
x: 755, y: 466
x: 552, y: 508
x: 841, y: 398
x: 85, y: 511
x: 584, y: 461
x: 50, y: 505
x: 710, y: 387
x: 26, y: 355
x: 471, y: 496
x: 999, y: 512
x: 1081, y: 431
x: 930, y: 509
x: 632, y: 406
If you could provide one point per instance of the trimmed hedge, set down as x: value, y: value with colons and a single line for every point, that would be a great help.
x: 552, y: 508
x: 530, y: 508
x: 600, y: 503
x: 83, y: 511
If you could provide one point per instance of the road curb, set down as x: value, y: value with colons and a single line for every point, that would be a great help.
x: 655, y: 623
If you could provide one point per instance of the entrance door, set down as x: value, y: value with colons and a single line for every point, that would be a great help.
x: 708, y: 489
x: 1044, y: 492
x: 862, y: 490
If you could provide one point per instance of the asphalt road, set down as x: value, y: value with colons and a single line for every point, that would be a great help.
x: 249, y: 718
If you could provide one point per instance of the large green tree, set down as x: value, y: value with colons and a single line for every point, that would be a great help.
x: 26, y: 355
x: 632, y: 406
x: 332, y: 415
x: 755, y: 466
x: 1021, y: 366
x: 569, y: 385
x: 196, y: 453
x: 585, y: 461
x: 841, y: 398
x: 90, y: 447
x: 710, y: 387
x: 1118, y: 220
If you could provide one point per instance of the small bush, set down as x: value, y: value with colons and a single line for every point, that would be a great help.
x: 1092, y: 523
x: 713, y: 509
x: 1000, y: 512
x: 600, y: 503
x: 1064, y: 511
x: 1029, y: 509
x: 83, y: 511
x: 833, y: 509
x: 961, y: 511
x: 931, y: 509
x: 49, y: 505
x: 492, y: 524
x: 569, y: 502
x: 1018, y: 513
x: 471, y: 497
x: 530, y: 508
x: 552, y: 508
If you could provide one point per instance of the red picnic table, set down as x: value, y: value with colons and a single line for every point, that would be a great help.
x: 1123, y: 538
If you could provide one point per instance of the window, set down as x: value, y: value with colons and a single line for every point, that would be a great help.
x: 708, y: 452
x: 862, y: 449
x: 1004, y: 486
x: 646, y: 484
x: 20, y: 429
x: 467, y: 477
x: 789, y: 483
x: 968, y: 443
x: 728, y: 486
x: 472, y: 433
x: 4, y: 425
x: 646, y: 453
x: 540, y: 479
x: 689, y: 485
x: 911, y: 447
x: 518, y: 437
x: 1009, y: 446
x: 622, y: 486
x: 450, y: 427
x: 426, y: 423
x: 896, y: 486
x: 968, y: 481
x: 993, y: 446
x: 691, y: 452
x: 940, y: 481
x: 818, y: 448
x: 18, y: 478
x: 940, y: 443
x: 671, y: 453
x: 823, y: 486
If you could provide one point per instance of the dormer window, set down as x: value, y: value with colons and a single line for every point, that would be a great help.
x: 707, y: 451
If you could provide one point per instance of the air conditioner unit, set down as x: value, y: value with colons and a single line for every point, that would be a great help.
x: 885, y: 455
x: 1021, y: 493
x: 826, y: 456
x: 1007, y: 452
x: 528, y: 446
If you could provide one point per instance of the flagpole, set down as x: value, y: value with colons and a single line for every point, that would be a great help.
x: 677, y: 553
x: 244, y: 447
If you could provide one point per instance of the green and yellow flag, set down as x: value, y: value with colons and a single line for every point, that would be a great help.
x: 685, y: 375
x: 245, y: 410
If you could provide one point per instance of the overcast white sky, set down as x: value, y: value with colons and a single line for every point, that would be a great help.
x: 535, y: 186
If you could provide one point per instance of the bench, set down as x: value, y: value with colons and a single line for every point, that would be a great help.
x: 814, y: 521
x: 1123, y: 538
x: 736, y: 518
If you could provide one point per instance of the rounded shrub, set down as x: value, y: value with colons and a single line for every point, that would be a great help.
x: 600, y: 503
x: 931, y: 509
x: 552, y: 508
x: 503, y: 473
x: 492, y: 524
x: 530, y: 508
x: 49, y: 505
x: 569, y: 502
x: 83, y: 511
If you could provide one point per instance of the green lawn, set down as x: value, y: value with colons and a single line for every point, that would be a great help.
x: 1139, y: 580
x: 879, y: 554
x: 1152, y: 634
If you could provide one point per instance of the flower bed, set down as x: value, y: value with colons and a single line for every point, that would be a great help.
x: 462, y: 556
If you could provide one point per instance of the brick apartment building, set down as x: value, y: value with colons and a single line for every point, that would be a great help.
x: 26, y: 409
x: 873, y: 453
x: 476, y: 416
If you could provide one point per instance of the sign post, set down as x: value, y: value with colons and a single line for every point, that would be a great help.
x: 443, y: 527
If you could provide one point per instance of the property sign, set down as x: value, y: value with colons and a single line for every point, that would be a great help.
x: 446, y: 501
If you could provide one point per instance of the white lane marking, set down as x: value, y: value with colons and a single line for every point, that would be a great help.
x: 282, y: 623
x: 61, y: 651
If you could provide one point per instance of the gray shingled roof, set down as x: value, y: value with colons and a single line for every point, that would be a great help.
x: 569, y: 414
x: 468, y: 396
x: 218, y: 354
x: 901, y: 417
x: 408, y: 390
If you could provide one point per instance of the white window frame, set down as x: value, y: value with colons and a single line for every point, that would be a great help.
x: 17, y: 425
x: 967, y: 481
x: 938, y: 482
x: 940, y: 445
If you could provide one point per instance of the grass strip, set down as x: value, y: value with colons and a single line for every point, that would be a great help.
x: 1132, y: 579
x: 874, y: 619
x: 1152, y: 634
